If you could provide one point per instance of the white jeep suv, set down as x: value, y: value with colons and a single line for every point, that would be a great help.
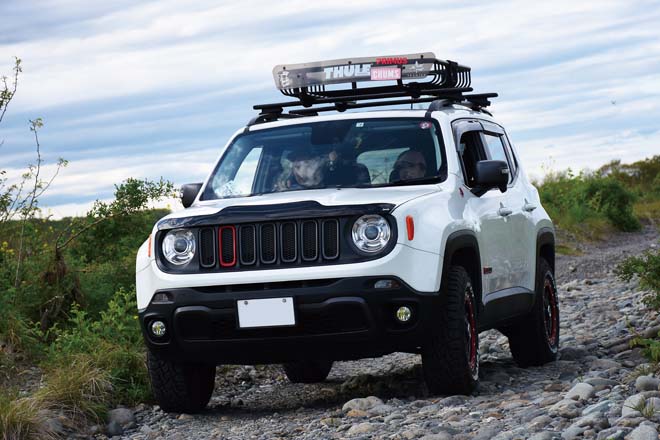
x: 353, y: 234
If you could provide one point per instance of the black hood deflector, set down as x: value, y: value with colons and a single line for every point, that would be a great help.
x: 264, y: 213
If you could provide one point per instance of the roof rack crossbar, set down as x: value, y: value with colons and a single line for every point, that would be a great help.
x: 390, y: 92
x: 343, y: 106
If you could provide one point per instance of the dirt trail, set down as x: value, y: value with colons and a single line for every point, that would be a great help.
x: 582, y: 394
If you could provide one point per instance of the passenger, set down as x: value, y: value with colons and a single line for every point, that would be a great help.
x: 409, y: 165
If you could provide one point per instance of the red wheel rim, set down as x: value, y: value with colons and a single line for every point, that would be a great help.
x: 550, y: 310
x: 471, y: 330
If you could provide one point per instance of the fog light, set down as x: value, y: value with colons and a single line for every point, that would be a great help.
x: 403, y: 314
x: 158, y: 329
x: 160, y: 298
x: 386, y: 284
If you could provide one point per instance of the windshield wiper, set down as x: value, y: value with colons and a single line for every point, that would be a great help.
x: 432, y: 179
x: 400, y: 182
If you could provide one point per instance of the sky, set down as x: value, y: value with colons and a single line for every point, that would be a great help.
x: 147, y: 89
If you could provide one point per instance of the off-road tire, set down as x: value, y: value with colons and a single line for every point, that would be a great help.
x: 450, y: 357
x: 179, y: 387
x: 535, y: 339
x: 307, y: 371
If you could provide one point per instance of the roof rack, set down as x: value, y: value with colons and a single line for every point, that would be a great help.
x: 427, y: 79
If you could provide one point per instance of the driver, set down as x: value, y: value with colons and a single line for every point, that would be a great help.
x: 307, y: 170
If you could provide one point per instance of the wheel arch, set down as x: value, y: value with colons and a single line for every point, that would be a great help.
x: 545, y: 247
x: 462, y: 248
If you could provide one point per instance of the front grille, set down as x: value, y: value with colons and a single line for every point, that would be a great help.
x: 310, y: 241
x: 330, y: 239
x: 248, y: 239
x: 227, y: 246
x: 288, y: 242
x: 207, y: 247
x: 268, y: 244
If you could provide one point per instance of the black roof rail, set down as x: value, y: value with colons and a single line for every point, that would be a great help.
x: 428, y: 79
x: 476, y: 102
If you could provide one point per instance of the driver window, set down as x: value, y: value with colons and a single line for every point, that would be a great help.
x: 470, y: 146
x: 495, y: 149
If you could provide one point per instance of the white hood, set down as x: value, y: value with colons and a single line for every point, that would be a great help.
x: 327, y: 197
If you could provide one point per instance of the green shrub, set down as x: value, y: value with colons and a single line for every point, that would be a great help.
x: 647, y: 269
x: 610, y: 198
x: 588, y: 203
x: 112, y: 343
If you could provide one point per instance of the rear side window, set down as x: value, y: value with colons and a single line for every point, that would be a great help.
x: 512, y: 155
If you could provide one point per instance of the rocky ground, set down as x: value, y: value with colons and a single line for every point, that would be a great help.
x: 599, y: 388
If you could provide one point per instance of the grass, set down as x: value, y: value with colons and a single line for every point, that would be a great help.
x: 81, y: 391
x: 566, y: 249
x: 24, y: 418
x: 646, y: 409
x: 648, y: 211
x: 641, y: 370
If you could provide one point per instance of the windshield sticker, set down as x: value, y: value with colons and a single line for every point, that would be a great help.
x: 424, y: 125
x: 229, y: 189
x: 359, y: 124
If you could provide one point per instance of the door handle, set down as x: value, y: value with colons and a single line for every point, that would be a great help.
x: 528, y: 206
x: 504, y: 211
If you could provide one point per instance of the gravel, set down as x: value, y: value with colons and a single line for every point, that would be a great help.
x: 587, y: 393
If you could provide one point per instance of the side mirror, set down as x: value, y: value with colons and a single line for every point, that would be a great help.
x: 189, y: 193
x: 491, y: 174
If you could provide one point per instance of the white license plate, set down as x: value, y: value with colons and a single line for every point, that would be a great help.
x: 270, y: 312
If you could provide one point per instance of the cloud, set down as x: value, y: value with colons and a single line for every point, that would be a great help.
x: 156, y: 88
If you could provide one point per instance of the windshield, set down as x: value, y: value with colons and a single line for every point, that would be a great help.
x: 330, y: 154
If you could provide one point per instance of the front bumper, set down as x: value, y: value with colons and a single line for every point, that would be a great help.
x: 336, y: 319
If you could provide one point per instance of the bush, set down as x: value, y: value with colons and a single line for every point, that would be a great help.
x: 647, y: 269
x: 588, y: 203
x: 113, y: 344
x: 610, y: 198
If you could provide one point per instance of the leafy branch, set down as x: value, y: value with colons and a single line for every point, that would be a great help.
x: 9, y: 88
x: 131, y: 196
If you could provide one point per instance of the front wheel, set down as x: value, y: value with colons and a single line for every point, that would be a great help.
x: 450, y: 357
x: 180, y: 387
x: 535, y: 339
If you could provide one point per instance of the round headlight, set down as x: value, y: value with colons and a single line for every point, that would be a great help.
x: 371, y: 233
x: 179, y: 246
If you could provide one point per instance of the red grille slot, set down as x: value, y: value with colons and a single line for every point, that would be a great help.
x: 227, y: 241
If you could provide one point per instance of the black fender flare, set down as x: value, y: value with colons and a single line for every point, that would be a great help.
x: 464, y: 239
x: 545, y: 237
